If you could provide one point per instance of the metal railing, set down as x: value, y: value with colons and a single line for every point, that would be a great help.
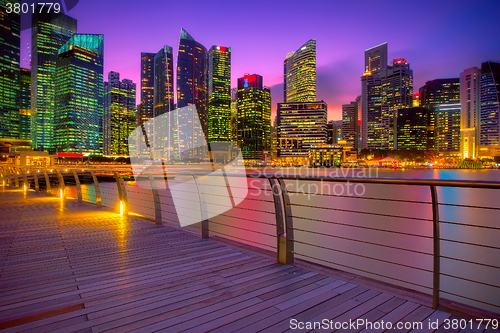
x: 398, y: 231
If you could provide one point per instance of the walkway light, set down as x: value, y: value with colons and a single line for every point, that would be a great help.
x: 122, y: 208
x: 61, y: 193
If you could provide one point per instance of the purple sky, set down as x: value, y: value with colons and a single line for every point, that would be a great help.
x: 439, y: 38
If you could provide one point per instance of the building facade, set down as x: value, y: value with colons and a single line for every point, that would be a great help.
x: 163, y: 97
x: 146, y: 111
x: 78, y: 82
x: 350, y: 124
x: 489, y: 108
x: 24, y: 104
x: 415, y: 129
x: 448, y: 127
x: 119, y: 114
x: 254, y: 117
x: 10, y: 44
x: 300, y: 74
x: 440, y: 91
x: 191, y: 77
x: 301, y: 125
x: 469, y: 114
x: 219, y: 94
x: 48, y: 34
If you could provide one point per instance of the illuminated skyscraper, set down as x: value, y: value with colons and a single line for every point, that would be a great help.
x: 9, y: 71
x: 300, y: 74
x: 191, y: 76
x: 489, y: 91
x: 384, y: 89
x: 48, y: 34
x: 469, y: 115
x: 79, y: 95
x: 145, y: 112
x: 254, y: 117
x: 119, y: 114
x: 440, y: 91
x: 234, y: 115
x: 350, y: 124
x: 301, y: 125
x: 219, y: 94
x: 448, y: 127
x: 24, y: 104
x: 415, y: 129
x: 163, y: 81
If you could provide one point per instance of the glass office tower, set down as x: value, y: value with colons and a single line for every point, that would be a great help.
x: 48, y: 34
x: 10, y: 43
x: 78, y: 82
x: 489, y: 91
x: 163, y: 81
x: 119, y: 114
x: 440, y: 91
x: 191, y: 76
x: 469, y: 115
x: 145, y: 113
x: 24, y: 104
x: 254, y: 117
x: 219, y: 94
x: 300, y: 74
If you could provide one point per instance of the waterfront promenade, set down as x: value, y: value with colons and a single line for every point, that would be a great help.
x: 72, y: 267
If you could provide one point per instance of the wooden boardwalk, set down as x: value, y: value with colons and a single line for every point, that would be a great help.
x: 70, y: 267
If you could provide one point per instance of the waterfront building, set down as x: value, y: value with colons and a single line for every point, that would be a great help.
x: 234, y: 115
x: 10, y: 43
x: 300, y: 74
x: 48, y: 34
x: 326, y: 155
x: 24, y: 104
x: 415, y: 129
x: 384, y: 90
x: 191, y: 77
x: 448, y: 127
x: 119, y: 114
x: 254, y: 117
x: 146, y: 110
x: 219, y: 94
x: 469, y: 115
x: 489, y: 108
x: 163, y: 96
x: 301, y: 125
x: 440, y: 91
x: 350, y: 124
x: 78, y: 82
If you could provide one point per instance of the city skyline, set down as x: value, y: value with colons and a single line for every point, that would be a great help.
x: 434, y: 51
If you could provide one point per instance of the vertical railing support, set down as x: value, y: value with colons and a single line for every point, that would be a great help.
x: 156, y: 199
x: 48, y: 188
x: 35, y: 178
x: 122, y: 193
x: 62, y: 187
x: 284, y: 223
x: 97, y: 189
x: 26, y: 185
x: 205, y: 228
x: 436, y: 247
x: 16, y: 177
x: 78, y: 186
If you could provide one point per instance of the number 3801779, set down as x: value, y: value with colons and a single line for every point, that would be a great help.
x: 24, y: 8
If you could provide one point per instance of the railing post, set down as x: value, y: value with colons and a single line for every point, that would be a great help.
x: 156, y: 199
x: 62, y: 187
x: 78, y: 186
x: 97, y: 189
x: 205, y: 228
x: 284, y: 223
x: 16, y: 177
x: 436, y: 247
x: 35, y: 177
x: 48, y: 188
x: 122, y: 193
x: 26, y: 185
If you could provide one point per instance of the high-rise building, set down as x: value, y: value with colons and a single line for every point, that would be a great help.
x: 416, y: 100
x: 78, y: 82
x: 119, y: 114
x: 48, y: 34
x: 469, y: 115
x: 489, y: 108
x: 300, y: 74
x: 10, y: 43
x: 384, y: 89
x: 191, y: 76
x: 24, y: 104
x: 448, y: 127
x: 440, y: 91
x: 254, y: 117
x: 301, y: 125
x: 350, y: 124
x: 234, y: 115
x: 145, y: 112
x: 414, y: 129
x: 163, y: 81
x: 219, y: 94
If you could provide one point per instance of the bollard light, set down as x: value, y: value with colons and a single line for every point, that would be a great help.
x: 61, y: 193
x: 122, y: 209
